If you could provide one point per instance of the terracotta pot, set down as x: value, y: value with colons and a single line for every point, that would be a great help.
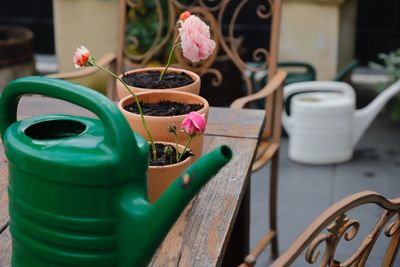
x: 160, y: 177
x: 158, y: 125
x: 193, y: 88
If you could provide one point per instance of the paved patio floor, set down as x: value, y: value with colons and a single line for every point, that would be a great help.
x: 306, y: 190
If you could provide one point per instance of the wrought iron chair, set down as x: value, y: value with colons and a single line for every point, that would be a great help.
x: 334, y: 224
x: 222, y: 16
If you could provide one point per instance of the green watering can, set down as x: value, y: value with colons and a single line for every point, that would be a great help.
x: 77, y: 185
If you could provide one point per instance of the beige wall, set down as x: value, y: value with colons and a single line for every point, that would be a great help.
x: 320, y: 32
x: 347, y: 34
x: 93, y: 23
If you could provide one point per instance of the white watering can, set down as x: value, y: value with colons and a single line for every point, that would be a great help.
x: 324, y: 126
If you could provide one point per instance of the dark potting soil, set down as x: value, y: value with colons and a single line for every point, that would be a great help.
x: 164, y: 158
x: 150, y: 79
x: 164, y: 108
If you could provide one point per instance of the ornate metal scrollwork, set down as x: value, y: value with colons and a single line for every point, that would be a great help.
x: 158, y: 41
x: 333, y: 225
x: 348, y: 229
x: 218, y: 15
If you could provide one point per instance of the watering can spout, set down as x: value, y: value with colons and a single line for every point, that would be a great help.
x: 149, y: 223
x: 366, y: 115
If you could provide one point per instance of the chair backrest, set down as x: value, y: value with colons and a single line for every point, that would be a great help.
x: 147, y: 28
x: 333, y: 225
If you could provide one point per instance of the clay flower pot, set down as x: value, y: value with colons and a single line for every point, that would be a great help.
x: 160, y: 177
x: 193, y: 88
x: 158, y: 125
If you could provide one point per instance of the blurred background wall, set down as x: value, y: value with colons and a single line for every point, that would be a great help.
x: 336, y: 29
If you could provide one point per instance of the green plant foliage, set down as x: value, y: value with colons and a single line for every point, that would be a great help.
x: 391, y: 66
x: 142, y: 25
x: 142, y: 22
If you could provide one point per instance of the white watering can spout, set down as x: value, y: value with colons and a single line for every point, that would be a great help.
x: 324, y: 126
x: 364, y: 116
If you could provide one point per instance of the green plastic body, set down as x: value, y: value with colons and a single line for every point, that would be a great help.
x: 77, y: 185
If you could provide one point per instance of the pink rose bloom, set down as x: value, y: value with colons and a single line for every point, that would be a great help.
x: 195, y: 39
x: 194, y: 123
x: 81, y: 57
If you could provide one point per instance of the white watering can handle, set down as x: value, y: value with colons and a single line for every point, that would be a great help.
x: 313, y: 86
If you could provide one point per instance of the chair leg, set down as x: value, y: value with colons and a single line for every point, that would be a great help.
x: 273, y: 194
x: 271, y: 236
x: 112, y: 84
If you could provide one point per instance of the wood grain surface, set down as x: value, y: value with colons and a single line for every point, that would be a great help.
x: 3, y: 190
x: 201, y: 234
x: 5, y: 248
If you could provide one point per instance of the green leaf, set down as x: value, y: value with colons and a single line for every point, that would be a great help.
x: 375, y: 66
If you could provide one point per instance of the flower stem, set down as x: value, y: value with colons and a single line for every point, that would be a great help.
x: 169, y: 58
x: 186, y: 147
x: 153, y: 146
x: 176, y: 147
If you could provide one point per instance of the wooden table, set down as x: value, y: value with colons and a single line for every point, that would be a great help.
x: 215, y: 222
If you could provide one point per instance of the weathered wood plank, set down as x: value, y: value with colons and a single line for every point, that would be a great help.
x: 3, y: 166
x: 235, y: 122
x: 5, y: 248
x: 5, y: 238
x: 239, y: 243
x: 201, y: 234
x: 3, y: 190
x: 36, y: 105
x: 3, y: 207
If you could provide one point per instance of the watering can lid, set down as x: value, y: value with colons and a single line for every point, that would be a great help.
x: 65, y: 149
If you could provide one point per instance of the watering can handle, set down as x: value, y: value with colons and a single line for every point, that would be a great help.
x: 117, y: 130
x: 313, y: 86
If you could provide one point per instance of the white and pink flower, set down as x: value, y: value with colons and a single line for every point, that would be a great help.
x: 81, y: 57
x: 195, y: 37
x: 184, y: 16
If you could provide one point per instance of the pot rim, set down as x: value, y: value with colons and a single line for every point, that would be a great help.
x: 203, y: 110
x: 183, y: 162
x: 193, y: 75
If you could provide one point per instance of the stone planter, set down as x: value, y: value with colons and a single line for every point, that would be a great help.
x: 326, y: 40
x: 16, y: 54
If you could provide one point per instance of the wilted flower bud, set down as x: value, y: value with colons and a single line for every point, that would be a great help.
x: 184, y: 15
x: 171, y: 128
